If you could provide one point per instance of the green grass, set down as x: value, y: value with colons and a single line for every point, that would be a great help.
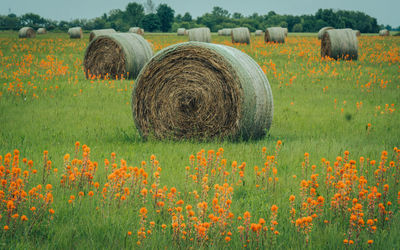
x: 99, y: 115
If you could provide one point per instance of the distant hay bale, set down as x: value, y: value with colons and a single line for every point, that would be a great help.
x: 200, y: 35
x: 41, y: 31
x: 275, y: 34
x: 75, y: 33
x: 181, y: 32
x: 258, y: 33
x: 199, y: 90
x: 322, y: 31
x: 286, y: 31
x: 339, y: 44
x: 357, y: 32
x: 136, y: 30
x: 240, y: 35
x: 96, y: 33
x: 384, y: 32
x: 226, y: 32
x: 115, y: 55
x: 26, y: 32
x: 220, y: 32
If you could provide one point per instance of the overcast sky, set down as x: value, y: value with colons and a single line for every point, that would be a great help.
x: 386, y: 11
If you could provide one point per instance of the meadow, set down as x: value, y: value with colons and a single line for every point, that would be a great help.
x: 76, y: 174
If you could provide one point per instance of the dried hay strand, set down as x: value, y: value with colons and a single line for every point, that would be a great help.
x: 340, y: 44
x: 384, y: 32
x: 258, y: 33
x: 41, y: 31
x: 136, y: 30
x: 200, y: 91
x: 240, y: 35
x: 357, y: 32
x: 115, y: 55
x: 200, y: 35
x: 96, y: 33
x: 323, y: 30
x: 181, y: 32
x: 75, y: 33
x: 26, y: 32
x: 275, y: 34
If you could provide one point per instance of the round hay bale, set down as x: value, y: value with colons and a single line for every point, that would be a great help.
x: 181, y: 32
x: 286, y: 31
x: 136, y: 30
x: 357, y: 32
x: 226, y: 32
x: 41, y: 31
x: 26, y: 32
x: 384, y: 32
x: 220, y: 32
x: 240, y: 35
x: 199, y: 90
x: 116, y: 55
x: 75, y: 33
x: 200, y: 35
x: 96, y: 33
x: 258, y: 33
x: 340, y: 44
x: 275, y: 34
x: 322, y: 31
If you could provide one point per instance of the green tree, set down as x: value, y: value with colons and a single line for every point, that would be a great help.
x: 32, y: 20
x: 187, y: 17
x: 298, y: 27
x: 151, y: 22
x: 134, y: 14
x: 166, y: 17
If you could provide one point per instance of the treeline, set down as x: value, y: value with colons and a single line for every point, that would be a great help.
x: 162, y: 18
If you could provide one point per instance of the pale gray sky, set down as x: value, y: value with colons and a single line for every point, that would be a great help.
x: 386, y: 11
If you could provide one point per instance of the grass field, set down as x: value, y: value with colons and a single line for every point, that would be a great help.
x: 340, y: 116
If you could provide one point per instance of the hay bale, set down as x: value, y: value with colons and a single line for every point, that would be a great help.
x: 357, y: 32
x: 26, y: 32
x: 340, y: 44
x: 240, y: 35
x: 322, y: 31
x: 96, y: 33
x: 202, y: 90
x: 136, y: 30
x: 116, y: 54
x: 181, y: 32
x: 41, y: 31
x: 275, y: 34
x: 200, y: 35
x: 258, y: 33
x: 286, y: 31
x: 226, y: 32
x: 384, y: 32
x: 75, y: 33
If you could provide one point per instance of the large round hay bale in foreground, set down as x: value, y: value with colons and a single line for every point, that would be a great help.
x: 322, y: 31
x: 240, y: 35
x: 200, y: 35
x: 275, y: 34
x: 136, y: 30
x: 116, y: 55
x: 258, y: 33
x: 26, y: 32
x: 384, y: 32
x: 96, y: 33
x: 181, y: 32
x: 340, y: 44
x: 41, y: 31
x: 75, y: 33
x: 199, y: 90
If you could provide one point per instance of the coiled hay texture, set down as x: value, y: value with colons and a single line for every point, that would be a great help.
x: 226, y: 32
x: 240, y: 35
x: 340, y: 44
x: 275, y: 34
x: 115, y: 55
x: 41, y: 31
x: 258, y: 33
x: 199, y: 90
x: 200, y: 35
x: 96, y: 33
x: 322, y: 31
x: 136, y: 30
x: 384, y: 32
x: 75, y: 33
x: 181, y: 31
x: 26, y: 32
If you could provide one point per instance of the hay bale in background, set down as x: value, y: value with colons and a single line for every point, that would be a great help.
x: 286, y: 31
x: 181, y: 32
x: 202, y: 90
x: 96, y: 33
x: 75, y: 33
x: 322, y: 31
x: 116, y: 55
x: 240, y: 35
x: 357, y: 32
x: 220, y: 32
x: 340, y: 44
x: 275, y: 34
x: 41, y: 31
x: 384, y: 32
x: 258, y: 33
x: 226, y: 32
x: 136, y: 30
x: 200, y: 35
x: 26, y: 32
